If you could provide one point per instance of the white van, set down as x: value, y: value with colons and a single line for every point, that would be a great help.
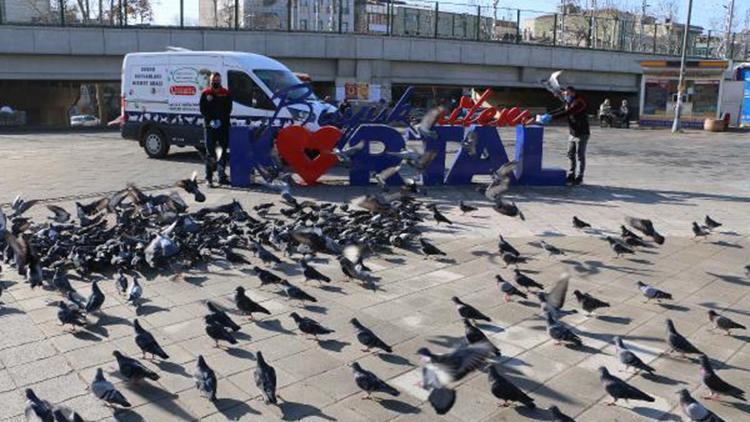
x: 161, y: 92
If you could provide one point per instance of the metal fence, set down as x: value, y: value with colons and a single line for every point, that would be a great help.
x: 603, y: 29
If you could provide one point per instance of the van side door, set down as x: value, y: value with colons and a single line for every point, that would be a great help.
x: 251, y: 104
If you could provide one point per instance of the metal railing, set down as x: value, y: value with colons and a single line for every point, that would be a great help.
x: 604, y: 29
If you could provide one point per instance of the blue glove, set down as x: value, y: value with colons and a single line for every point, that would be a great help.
x: 543, y: 119
x: 216, y: 123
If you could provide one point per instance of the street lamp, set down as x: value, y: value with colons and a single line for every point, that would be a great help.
x: 676, y: 125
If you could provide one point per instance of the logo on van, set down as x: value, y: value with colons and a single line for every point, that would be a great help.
x: 188, y: 90
x: 185, y: 75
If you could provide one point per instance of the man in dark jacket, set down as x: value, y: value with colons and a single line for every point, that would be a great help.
x: 216, y: 108
x: 575, y: 110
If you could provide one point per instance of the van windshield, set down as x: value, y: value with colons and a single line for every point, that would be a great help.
x: 277, y: 80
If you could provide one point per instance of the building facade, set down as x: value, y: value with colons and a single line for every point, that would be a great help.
x: 25, y: 11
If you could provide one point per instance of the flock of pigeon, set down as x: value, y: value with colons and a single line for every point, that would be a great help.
x: 132, y: 236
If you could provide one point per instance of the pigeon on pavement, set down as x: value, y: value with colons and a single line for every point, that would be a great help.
x: 132, y: 369
x: 589, y: 303
x: 36, y: 408
x: 217, y: 331
x: 220, y: 317
x: 723, y: 323
x: 147, y: 343
x: 503, y: 246
x: 580, y: 224
x: 265, y: 379
x: 560, y: 333
x: 370, y: 383
x: 552, y: 250
x: 311, y: 273
x: 699, y: 231
x: 506, y: 391
x: 466, y: 208
x: 309, y: 326
x: 107, y: 392
x: 630, y: 359
x: 694, y: 410
x: 428, y: 249
x: 295, y: 293
x: 525, y: 281
x: 70, y: 315
x: 619, y: 247
x: 205, y: 379
x: 246, y: 305
x: 467, y: 311
x: 651, y: 292
x: 367, y: 338
x: 508, y: 289
x: 716, y: 385
x: 677, y: 342
x: 96, y: 299
x: 619, y: 389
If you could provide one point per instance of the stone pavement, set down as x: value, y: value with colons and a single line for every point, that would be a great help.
x: 672, y: 180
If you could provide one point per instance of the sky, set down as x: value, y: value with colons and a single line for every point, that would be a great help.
x: 706, y: 13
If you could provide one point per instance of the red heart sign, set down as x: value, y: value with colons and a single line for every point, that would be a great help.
x: 294, y: 143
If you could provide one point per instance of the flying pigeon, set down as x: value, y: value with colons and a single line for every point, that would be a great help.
x: 716, y: 385
x: 506, y: 391
x: 132, y: 369
x: 723, y: 323
x: 107, y: 392
x: 441, y: 398
x: 309, y: 325
x: 205, y: 379
x: 370, y: 383
x: 246, y: 305
x: 265, y: 379
x: 628, y: 358
x: 651, y: 292
x: 191, y: 186
x: 60, y: 215
x: 646, y: 227
x: 677, y: 342
x: 694, y: 410
x: 457, y: 363
x: 589, y: 303
x: 619, y: 389
x: 369, y: 339
x: 147, y: 343
x: 711, y: 223
x: 467, y: 311
x: 474, y: 335
x: 552, y: 84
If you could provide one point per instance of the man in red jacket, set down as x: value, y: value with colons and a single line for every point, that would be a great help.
x: 216, y: 109
x: 575, y: 110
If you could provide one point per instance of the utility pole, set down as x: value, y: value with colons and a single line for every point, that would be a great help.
x: 728, y: 33
x: 676, y: 125
x: 644, y: 5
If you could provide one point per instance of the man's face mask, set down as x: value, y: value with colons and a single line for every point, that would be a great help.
x: 568, y: 98
x: 216, y: 84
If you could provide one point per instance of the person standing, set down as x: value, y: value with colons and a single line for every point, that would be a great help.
x: 216, y: 109
x: 575, y: 109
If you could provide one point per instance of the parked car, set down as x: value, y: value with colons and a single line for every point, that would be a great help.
x: 84, y: 120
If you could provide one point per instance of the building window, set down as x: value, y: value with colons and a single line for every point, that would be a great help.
x: 303, y: 24
x: 345, y: 26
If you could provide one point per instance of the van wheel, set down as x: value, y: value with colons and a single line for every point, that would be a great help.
x: 155, y: 144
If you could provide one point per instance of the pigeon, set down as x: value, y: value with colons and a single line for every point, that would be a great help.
x: 69, y: 315
x: 554, y: 301
x: 20, y: 206
x: 525, y: 281
x: 560, y: 333
x: 467, y: 311
x: 508, y: 209
x: 474, y: 335
x: 107, y: 392
x: 506, y: 391
x: 266, y: 277
x: 62, y: 414
x: 504, y: 247
x: 368, y: 339
x: 121, y: 283
x: 96, y: 299
x: 146, y: 342
x: 191, y: 186
x: 551, y: 249
x: 265, y: 379
x: 580, y: 224
x: 678, y: 343
x: 309, y: 325
x: 60, y: 215
x: 723, y: 323
x: 646, y: 227
x: 220, y: 317
x: 295, y: 293
x: 559, y: 416
x: 37, y: 409
x: 217, y: 331
x: 511, y: 259
x: 589, y: 303
x: 552, y: 84
x: 60, y: 281
x: 370, y: 383
x: 695, y: 411
x: 205, y: 379
x: 266, y: 256
x: 136, y: 291
x: 711, y: 223
x: 651, y: 292
x: 457, y: 363
x: 247, y: 306
x: 429, y: 249
x: 619, y: 389
x: 628, y: 358
x: 619, y: 247
x: 716, y: 385
x: 439, y: 217
x: 345, y: 155
x: 699, y: 231
x: 441, y: 398
x: 466, y: 208
x: 132, y: 369
x: 311, y: 273
x: 508, y: 289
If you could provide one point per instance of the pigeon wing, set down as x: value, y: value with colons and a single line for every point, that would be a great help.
x: 556, y: 296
